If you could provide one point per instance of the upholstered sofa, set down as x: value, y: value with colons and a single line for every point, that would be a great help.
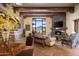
x: 50, y: 41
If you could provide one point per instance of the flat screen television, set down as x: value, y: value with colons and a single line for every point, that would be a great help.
x: 58, y: 24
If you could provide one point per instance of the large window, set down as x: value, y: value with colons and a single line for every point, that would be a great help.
x: 39, y: 25
x: 76, y: 25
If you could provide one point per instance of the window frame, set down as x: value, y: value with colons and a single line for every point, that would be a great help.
x: 43, y: 19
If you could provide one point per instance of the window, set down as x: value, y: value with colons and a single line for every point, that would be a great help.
x: 76, y: 25
x: 39, y: 25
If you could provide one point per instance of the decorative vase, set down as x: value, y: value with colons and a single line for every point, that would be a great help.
x: 5, y: 39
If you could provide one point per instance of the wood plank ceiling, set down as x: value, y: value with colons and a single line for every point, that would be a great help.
x: 42, y: 11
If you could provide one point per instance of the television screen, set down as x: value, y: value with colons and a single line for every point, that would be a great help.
x: 58, y: 24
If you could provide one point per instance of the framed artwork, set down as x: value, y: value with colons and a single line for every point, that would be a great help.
x: 27, y: 27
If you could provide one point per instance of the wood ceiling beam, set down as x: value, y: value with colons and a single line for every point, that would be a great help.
x: 41, y: 14
x: 50, y: 9
x: 36, y: 16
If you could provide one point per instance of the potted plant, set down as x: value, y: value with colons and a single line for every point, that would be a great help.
x: 7, y: 23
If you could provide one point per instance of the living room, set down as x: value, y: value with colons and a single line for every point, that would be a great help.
x: 52, y: 27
